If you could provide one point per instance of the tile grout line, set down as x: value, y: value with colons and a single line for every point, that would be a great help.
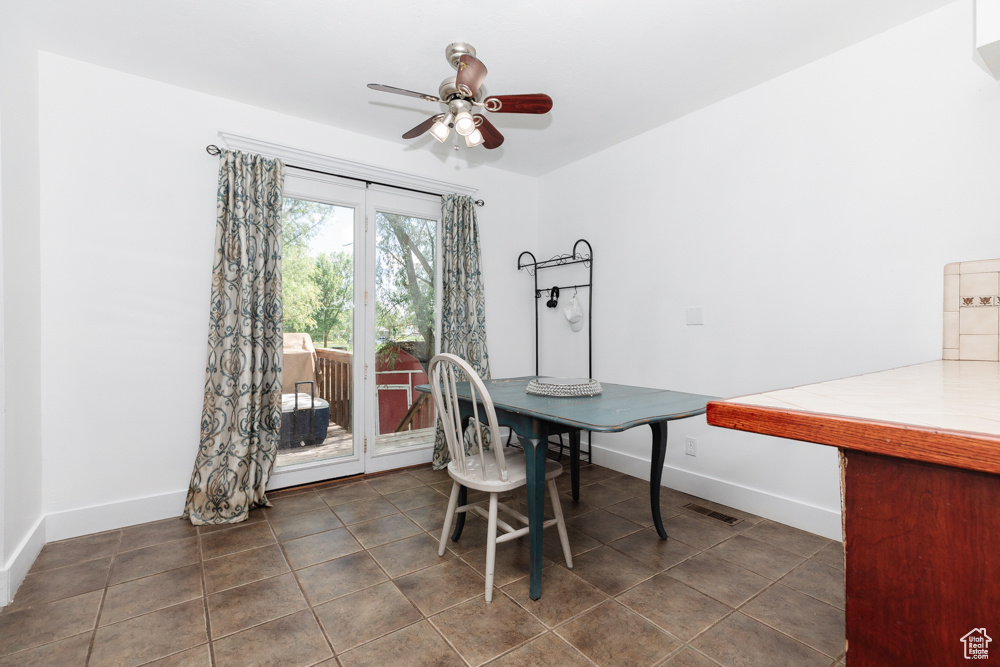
x: 608, y: 597
x: 545, y: 628
x: 670, y: 656
x: 738, y: 609
x: 732, y: 610
x: 274, y: 576
x: 611, y: 599
x: 294, y: 573
x: 454, y: 648
x: 104, y: 597
x: 147, y: 613
x: 390, y: 579
x: 779, y: 630
x: 704, y: 655
x: 424, y: 617
x: 204, y: 591
x: 570, y: 618
x: 108, y: 585
x: 548, y: 631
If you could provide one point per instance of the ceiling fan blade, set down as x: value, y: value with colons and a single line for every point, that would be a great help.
x: 491, y: 135
x: 471, y: 72
x: 423, y: 127
x: 533, y: 103
x: 400, y: 91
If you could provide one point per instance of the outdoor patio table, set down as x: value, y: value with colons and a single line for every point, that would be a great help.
x: 618, y: 408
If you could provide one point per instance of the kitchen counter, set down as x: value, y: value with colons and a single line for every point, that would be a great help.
x: 945, y: 412
x: 920, y: 471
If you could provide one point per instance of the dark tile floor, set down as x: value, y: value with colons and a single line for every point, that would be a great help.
x: 347, y: 573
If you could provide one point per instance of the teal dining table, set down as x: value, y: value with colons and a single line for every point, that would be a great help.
x: 534, y: 418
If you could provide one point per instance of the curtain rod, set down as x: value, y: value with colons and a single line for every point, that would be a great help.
x: 212, y: 149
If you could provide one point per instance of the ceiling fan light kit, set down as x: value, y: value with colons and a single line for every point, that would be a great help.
x: 439, y: 130
x: 464, y: 124
x: 474, y: 139
x: 461, y: 94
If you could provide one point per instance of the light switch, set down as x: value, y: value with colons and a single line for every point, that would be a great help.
x: 695, y: 316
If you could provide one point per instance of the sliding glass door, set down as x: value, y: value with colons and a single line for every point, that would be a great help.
x: 405, y: 328
x: 359, y: 284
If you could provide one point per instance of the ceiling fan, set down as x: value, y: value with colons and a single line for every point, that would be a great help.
x: 462, y: 94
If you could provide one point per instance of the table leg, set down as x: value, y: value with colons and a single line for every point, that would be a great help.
x: 656, y: 473
x: 534, y: 457
x: 463, y: 498
x: 574, y: 462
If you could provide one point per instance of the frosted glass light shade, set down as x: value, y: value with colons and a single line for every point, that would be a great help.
x: 474, y: 139
x: 465, y: 124
x: 439, y: 131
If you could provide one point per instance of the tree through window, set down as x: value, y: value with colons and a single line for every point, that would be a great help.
x: 317, y: 275
x: 404, y: 284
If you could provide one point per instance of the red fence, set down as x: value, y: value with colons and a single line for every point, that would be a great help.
x: 334, y: 382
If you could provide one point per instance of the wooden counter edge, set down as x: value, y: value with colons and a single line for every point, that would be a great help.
x: 958, y: 449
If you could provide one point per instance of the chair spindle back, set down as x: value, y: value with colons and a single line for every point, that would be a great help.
x: 446, y: 372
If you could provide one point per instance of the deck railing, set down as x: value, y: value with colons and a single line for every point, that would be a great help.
x: 420, y: 415
x: 334, y: 384
x: 333, y: 375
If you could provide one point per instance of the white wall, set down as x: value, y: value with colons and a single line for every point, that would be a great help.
x: 127, y: 231
x: 22, y: 529
x: 811, y: 217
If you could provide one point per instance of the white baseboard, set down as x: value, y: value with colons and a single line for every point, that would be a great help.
x: 98, y: 518
x: 813, y: 519
x: 21, y: 561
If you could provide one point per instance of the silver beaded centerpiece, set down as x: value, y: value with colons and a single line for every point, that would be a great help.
x: 567, y: 387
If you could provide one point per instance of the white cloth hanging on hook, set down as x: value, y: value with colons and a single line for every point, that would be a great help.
x: 574, y: 313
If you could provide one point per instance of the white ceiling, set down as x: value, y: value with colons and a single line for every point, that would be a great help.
x: 614, y: 68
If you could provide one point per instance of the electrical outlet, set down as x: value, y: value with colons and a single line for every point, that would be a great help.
x: 690, y: 446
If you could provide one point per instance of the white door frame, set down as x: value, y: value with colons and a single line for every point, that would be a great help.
x: 388, y: 200
x: 365, y: 201
x: 321, y: 188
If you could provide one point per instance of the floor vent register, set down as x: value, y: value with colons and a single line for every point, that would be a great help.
x: 712, y: 514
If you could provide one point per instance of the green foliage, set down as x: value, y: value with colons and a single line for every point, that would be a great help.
x: 318, y: 288
x: 404, y: 281
x: 333, y: 275
x: 300, y: 293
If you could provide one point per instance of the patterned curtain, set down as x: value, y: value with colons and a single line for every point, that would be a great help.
x: 463, y: 307
x: 242, y: 408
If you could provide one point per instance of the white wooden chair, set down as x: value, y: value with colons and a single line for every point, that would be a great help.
x: 494, y: 471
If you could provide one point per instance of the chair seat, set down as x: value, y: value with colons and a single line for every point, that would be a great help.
x: 516, y: 472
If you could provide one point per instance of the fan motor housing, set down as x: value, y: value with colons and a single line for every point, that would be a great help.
x: 449, y: 91
x: 454, y: 52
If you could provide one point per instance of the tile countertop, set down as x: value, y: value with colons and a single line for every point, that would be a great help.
x: 944, y: 412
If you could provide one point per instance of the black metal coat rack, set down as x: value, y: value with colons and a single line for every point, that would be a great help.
x: 576, y: 257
